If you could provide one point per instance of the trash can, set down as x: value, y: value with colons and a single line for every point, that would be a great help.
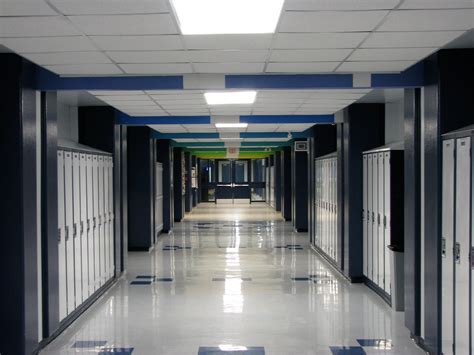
x: 397, y: 277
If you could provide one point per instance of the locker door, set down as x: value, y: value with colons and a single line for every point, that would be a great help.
x: 61, y: 240
x: 364, y: 212
x: 462, y: 246
x: 106, y: 220
x: 95, y: 178
x: 316, y: 182
x: 386, y: 222
x: 90, y: 222
x: 330, y: 243
x: 335, y: 212
x: 375, y: 227
x: 69, y: 214
x: 334, y: 200
x: 100, y: 191
x: 76, y: 185
x: 111, y: 217
x: 83, y: 227
x: 447, y: 261
x: 318, y: 208
x: 380, y: 214
x: 325, y: 202
x: 370, y: 200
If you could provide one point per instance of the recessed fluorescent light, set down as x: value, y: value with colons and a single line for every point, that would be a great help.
x: 231, y: 125
x: 230, y: 97
x: 227, y: 16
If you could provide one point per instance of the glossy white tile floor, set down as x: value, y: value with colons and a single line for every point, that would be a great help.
x: 272, y: 310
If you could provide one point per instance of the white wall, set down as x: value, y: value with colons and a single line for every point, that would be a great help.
x: 67, y: 122
x: 394, y: 116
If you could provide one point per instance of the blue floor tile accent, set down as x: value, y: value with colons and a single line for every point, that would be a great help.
x: 218, y: 279
x: 146, y: 277
x: 174, y: 247
x: 164, y: 279
x: 293, y: 245
x: 89, y: 343
x: 140, y: 282
x: 246, y: 279
x: 247, y: 350
x: 295, y: 248
x: 383, y: 344
x: 300, y: 278
x: 347, y: 350
x: 116, y: 351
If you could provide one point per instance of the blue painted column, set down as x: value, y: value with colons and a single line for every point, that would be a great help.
x: 277, y: 162
x: 286, y: 183
x: 140, y: 189
x: 188, y: 198
x: 18, y: 209
x: 179, y: 183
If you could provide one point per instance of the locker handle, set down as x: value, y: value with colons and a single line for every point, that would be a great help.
x: 74, y: 230
x: 378, y: 218
x: 59, y: 235
x: 457, y: 253
x: 373, y: 217
x: 95, y: 222
x: 385, y: 222
x: 443, y: 247
x: 88, y: 225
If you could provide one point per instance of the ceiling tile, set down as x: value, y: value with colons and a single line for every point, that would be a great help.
x: 25, y: 8
x: 237, y: 41
x: 185, y: 140
x: 191, y: 127
x: 374, y: 67
x: 318, y: 40
x: 229, y: 68
x: 36, y: 27
x: 324, y: 5
x: 210, y: 56
x: 261, y: 127
x: 138, y: 43
x: 149, y: 57
x: 390, y: 54
x: 330, y: 21
x: 49, y: 44
x: 178, y: 68
x: 110, y: 7
x: 410, y: 39
x: 309, y: 55
x: 428, y: 20
x: 437, y: 4
x: 116, y: 92
x: 131, y: 103
x: 315, y: 67
x: 67, y: 58
x: 125, y: 24
x: 84, y: 69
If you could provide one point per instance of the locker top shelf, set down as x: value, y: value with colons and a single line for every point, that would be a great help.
x: 327, y: 156
x: 461, y: 132
x: 67, y: 144
x: 387, y: 147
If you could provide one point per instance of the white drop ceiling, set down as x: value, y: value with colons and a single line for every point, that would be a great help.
x: 141, y: 37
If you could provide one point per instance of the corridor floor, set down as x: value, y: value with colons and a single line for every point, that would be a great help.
x: 241, y: 284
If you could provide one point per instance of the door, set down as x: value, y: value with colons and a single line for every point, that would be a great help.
x: 257, y: 183
x: 233, y: 180
x: 61, y: 240
x: 462, y: 246
x: 110, y: 194
x: 447, y: 229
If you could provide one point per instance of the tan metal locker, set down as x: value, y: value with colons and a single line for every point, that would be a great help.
x: 76, y: 184
x: 62, y: 272
x: 111, y: 218
x: 95, y: 178
x: 90, y: 223
x: 83, y: 227
x: 370, y: 219
x: 387, y: 222
x: 100, y: 197
x: 462, y: 246
x: 69, y: 213
x: 364, y: 214
x: 380, y: 214
x: 106, y: 221
x: 447, y: 245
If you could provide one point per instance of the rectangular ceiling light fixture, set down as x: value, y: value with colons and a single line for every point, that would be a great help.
x: 231, y: 125
x: 206, y: 17
x: 230, y: 97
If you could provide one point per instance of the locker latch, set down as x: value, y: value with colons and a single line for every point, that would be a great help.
x: 378, y: 218
x: 385, y: 222
x: 457, y: 253
x: 95, y: 222
x: 74, y: 230
x: 59, y: 235
x: 373, y: 217
x: 88, y: 225
x: 443, y: 247
x: 472, y: 258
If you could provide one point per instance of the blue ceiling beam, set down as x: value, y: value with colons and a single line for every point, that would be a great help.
x: 263, y: 119
x: 47, y: 81
x: 125, y: 119
x: 159, y: 135
x: 412, y: 77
